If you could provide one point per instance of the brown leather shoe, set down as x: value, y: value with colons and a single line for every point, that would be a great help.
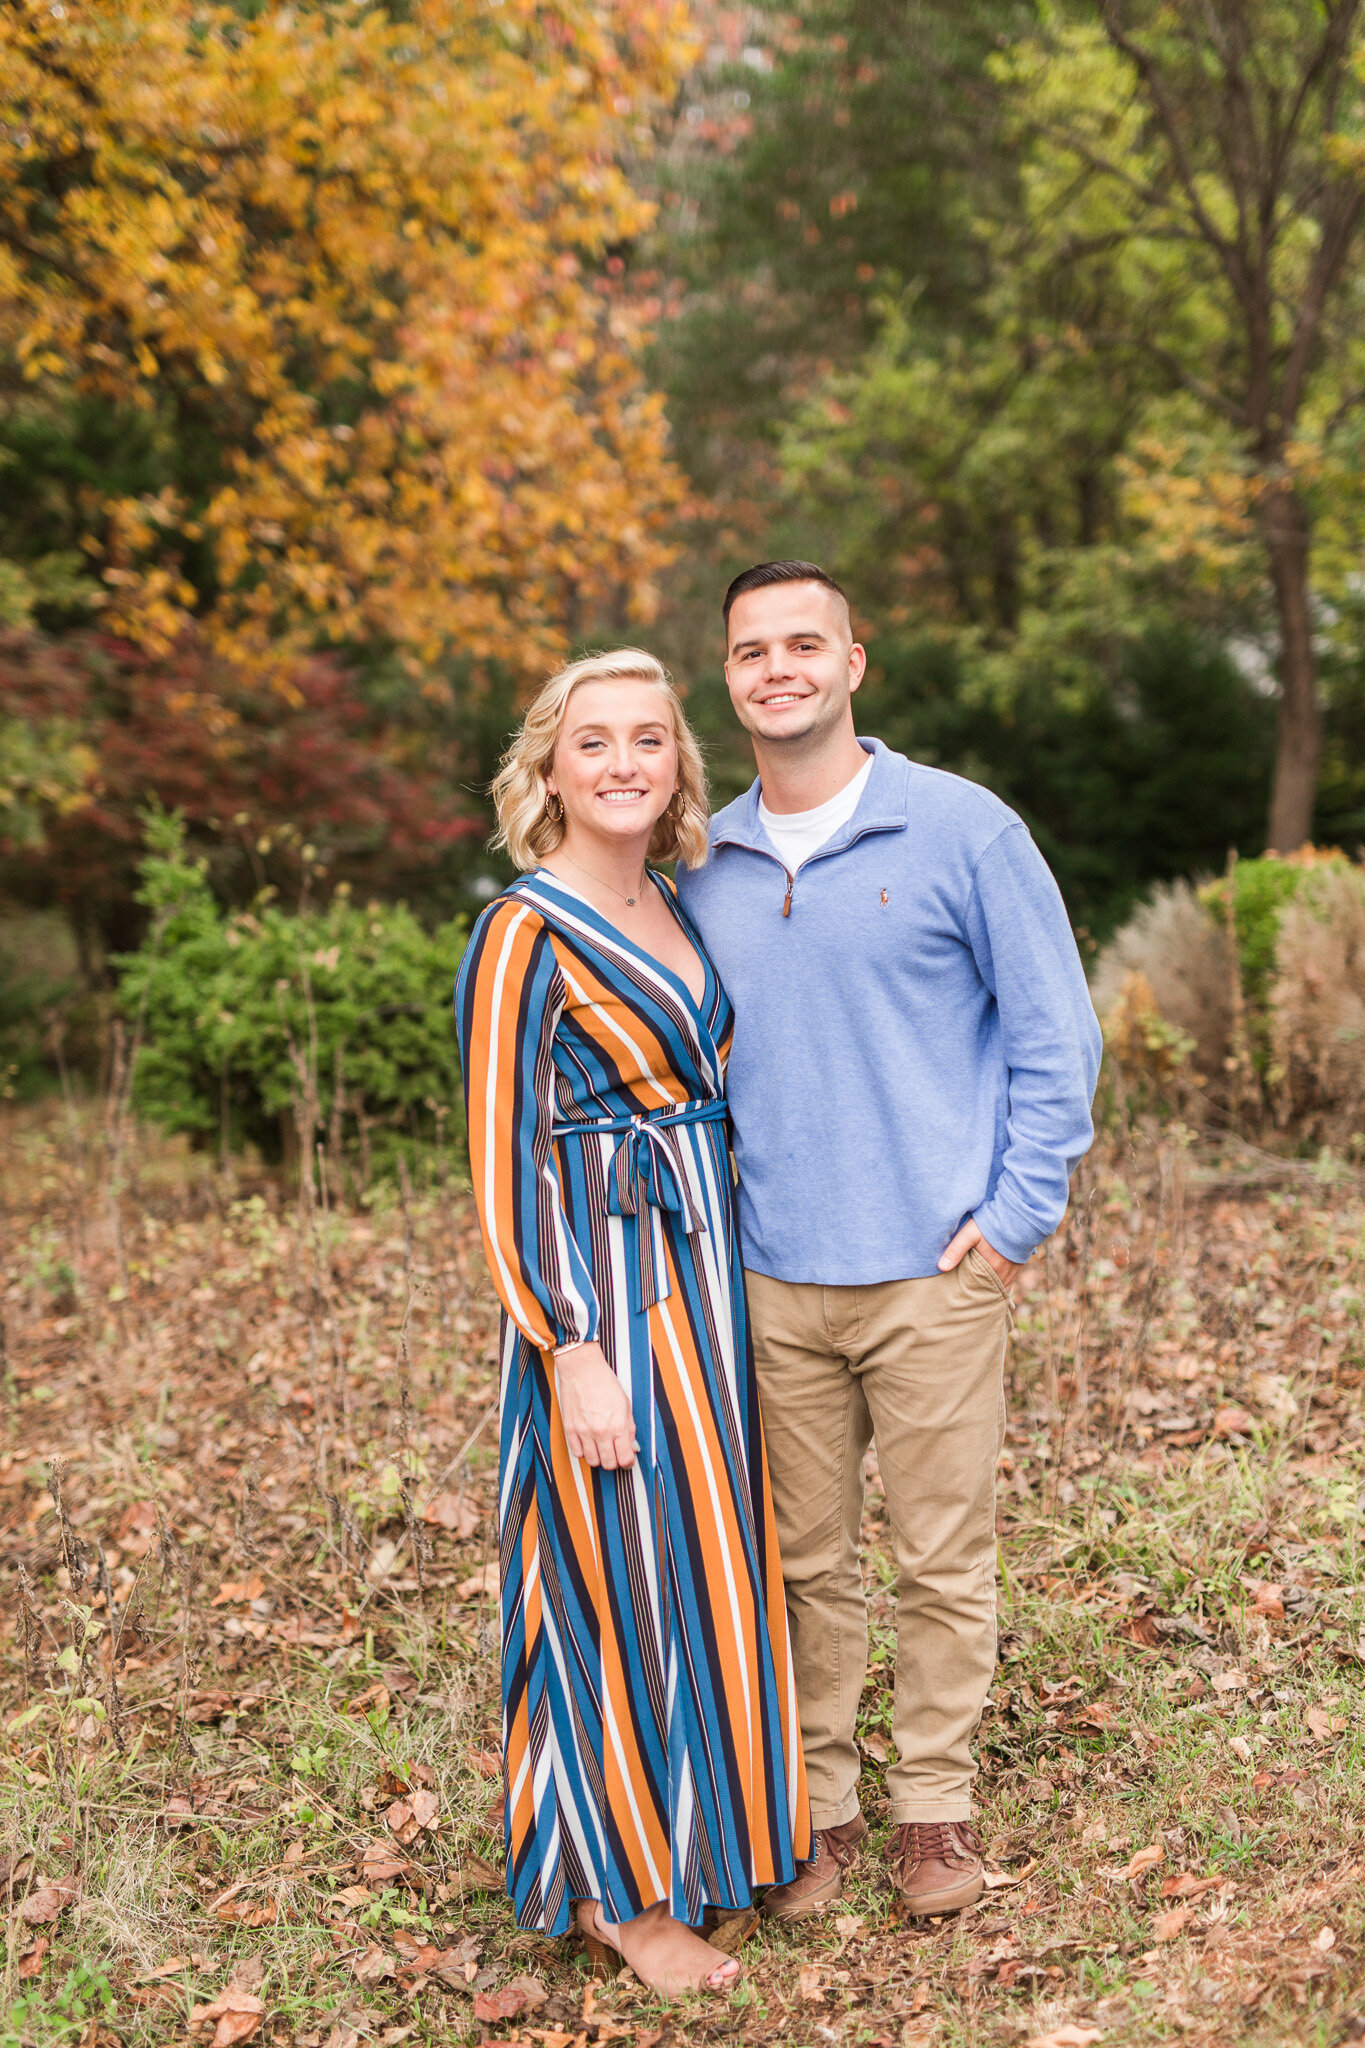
x: 819, y: 1881
x: 936, y: 1866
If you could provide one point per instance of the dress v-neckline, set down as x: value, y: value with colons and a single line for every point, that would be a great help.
x: 704, y: 1004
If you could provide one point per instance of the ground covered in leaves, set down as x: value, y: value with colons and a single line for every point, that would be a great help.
x: 248, y: 1681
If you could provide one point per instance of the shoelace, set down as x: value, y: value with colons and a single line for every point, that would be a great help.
x: 822, y: 1838
x: 931, y: 1841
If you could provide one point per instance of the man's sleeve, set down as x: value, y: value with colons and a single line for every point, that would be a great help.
x: 1021, y: 938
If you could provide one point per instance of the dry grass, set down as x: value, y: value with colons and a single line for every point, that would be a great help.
x: 1318, y: 1012
x: 1185, y: 958
x: 249, y: 1433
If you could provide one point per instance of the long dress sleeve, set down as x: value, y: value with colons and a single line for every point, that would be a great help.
x: 508, y: 1000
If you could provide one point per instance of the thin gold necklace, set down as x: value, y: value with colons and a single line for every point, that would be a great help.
x: 598, y: 879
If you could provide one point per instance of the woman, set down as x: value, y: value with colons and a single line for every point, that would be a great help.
x: 651, y: 1753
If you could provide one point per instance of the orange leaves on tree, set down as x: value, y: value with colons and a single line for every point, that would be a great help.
x: 354, y: 252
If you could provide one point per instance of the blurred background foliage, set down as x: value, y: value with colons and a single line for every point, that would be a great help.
x: 962, y: 302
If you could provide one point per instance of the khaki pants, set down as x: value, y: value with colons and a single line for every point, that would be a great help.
x: 919, y: 1365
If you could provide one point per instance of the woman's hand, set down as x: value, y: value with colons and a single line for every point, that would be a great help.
x: 598, y: 1420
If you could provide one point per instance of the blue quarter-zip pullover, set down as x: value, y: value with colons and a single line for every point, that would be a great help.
x: 914, y: 1039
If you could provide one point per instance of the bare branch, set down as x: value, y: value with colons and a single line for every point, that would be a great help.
x: 1236, y: 136
x: 1342, y: 411
x: 1330, y: 261
x: 1232, y: 258
x: 1198, y: 387
x: 1331, y: 54
x: 1096, y: 160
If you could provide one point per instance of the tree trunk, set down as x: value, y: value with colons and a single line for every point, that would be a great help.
x: 1287, y: 530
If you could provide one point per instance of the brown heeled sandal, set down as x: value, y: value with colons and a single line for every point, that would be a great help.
x: 607, y: 1959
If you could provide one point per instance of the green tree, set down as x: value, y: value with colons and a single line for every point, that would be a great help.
x: 1143, y: 762
x: 848, y: 144
x: 1198, y: 156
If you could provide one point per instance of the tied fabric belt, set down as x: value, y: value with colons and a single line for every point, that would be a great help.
x: 647, y: 1173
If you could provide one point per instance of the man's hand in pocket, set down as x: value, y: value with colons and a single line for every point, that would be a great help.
x: 969, y: 1236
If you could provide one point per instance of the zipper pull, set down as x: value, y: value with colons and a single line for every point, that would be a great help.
x: 787, y: 899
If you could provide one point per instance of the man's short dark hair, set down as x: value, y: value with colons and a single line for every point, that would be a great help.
x: 764, y: 573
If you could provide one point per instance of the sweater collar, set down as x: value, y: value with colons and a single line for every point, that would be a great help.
x: 882, y: 807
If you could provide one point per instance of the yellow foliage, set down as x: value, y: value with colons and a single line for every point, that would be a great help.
x: 1198, y: 504
x: 1139, y: 1038
x: 351, y: 249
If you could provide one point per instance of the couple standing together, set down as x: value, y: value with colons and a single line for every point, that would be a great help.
x: 865, y: 983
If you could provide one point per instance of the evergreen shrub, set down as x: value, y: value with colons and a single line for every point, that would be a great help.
x: 277, y: 1029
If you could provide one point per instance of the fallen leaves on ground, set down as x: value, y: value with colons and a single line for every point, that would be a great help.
x: 479, y: 1585
x: 237, y: 2016
x: 233, y: 1591
x: 172, y: 1967
x: 474, y: 1875
x: 454, y: 1511
x: 1188, y: 1886
x: 373, y: 1965
x: 409, y: 1817
x: 46, y: 1902
x: 507, y: 2004
x: 1171, y: 1611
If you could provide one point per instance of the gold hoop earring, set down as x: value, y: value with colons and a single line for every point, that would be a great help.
x: 555, y: 816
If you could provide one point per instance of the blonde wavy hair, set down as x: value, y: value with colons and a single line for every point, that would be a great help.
x: 525, y: 826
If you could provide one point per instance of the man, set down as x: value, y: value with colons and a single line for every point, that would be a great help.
x: 910, y: 1081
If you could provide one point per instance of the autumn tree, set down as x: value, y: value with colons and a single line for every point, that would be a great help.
x: 301, y: 333
x: 290, y: 790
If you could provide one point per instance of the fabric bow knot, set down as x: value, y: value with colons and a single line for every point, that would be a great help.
x: 646, y: 1172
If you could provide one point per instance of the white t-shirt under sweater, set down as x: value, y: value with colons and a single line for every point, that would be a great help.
x: 798, y: 834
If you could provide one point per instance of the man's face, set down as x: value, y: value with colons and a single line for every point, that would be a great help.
x: 792, y: 662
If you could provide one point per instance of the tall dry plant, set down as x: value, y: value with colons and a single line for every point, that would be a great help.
x: 1174, y: 952
x: 1317, y: 1011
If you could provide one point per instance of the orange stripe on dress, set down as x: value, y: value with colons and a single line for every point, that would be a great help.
x: 638, y: 1054
x: 644, y: 1836
x: 494, y: 1149
x: 519, y: 1729
x: 721, y: 1543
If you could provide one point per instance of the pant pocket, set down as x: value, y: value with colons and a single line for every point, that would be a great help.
x: 986, y: 1274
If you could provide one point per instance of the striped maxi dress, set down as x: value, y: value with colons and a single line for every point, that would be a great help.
x: 651, y: 1749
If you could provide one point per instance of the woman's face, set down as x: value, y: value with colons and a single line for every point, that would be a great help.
x: 615, y: 765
